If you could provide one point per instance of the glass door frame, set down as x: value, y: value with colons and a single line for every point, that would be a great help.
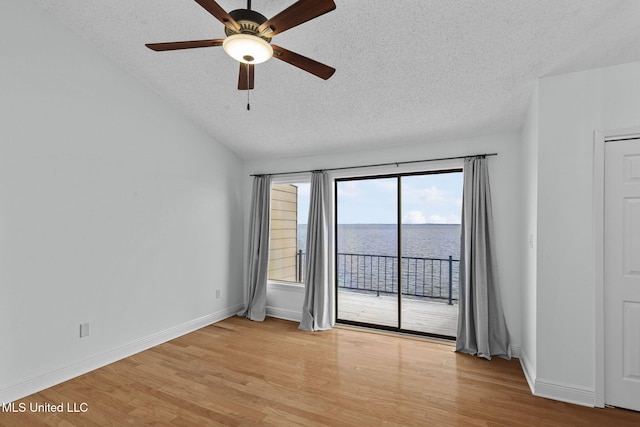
x: 398, y: 176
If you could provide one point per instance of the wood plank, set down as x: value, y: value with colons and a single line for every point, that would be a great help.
x: 285, y: 253
x: 283, y: 244
x: 290, y: 234
x: 283, y: 205
x: 284, y: 274
x: 279, y: 215
x: 239, y: 372
x: 282, y: 263
x: 284, y: 192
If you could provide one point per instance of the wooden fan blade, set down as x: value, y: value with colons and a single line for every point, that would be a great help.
x: 296, y: 14
x: 302, y: 62
x: 159, y: 47
x: 219, y: 13
x: 245, y: 78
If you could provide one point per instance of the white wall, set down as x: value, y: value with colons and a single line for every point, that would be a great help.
x: 504, y: 171
x: 115, y: 210
x: 571, y: 107
x: 528, y: 238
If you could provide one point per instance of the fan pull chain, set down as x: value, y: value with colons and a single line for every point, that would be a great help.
x: 248, y: 88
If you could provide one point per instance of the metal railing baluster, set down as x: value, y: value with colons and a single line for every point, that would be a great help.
x: 366, y: 273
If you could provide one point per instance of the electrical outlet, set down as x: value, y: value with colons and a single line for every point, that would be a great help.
x: 84, y: 330
x: 217, y: 293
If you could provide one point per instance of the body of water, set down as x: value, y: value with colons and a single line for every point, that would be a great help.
x: 367, y: 258
x: 419, y: 240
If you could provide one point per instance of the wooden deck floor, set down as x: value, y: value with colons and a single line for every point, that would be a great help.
x: 417, y: 314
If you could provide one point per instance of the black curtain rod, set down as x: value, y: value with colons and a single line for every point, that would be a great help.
x: 380, y: 164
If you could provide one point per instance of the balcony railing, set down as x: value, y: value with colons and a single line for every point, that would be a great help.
x: 433, y: 278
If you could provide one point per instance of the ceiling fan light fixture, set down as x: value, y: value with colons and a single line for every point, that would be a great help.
x: 247, y: 48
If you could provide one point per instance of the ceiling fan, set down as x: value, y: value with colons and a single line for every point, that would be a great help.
x: 249, y: 36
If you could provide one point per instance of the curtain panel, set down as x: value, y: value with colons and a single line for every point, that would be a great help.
x: 482, y: 330
x: 258, y: 249
x: 316, y: 310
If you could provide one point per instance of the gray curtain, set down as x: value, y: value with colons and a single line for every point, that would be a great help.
x: 258, y: 249
x: 316, y: 311
x: 482, y: 330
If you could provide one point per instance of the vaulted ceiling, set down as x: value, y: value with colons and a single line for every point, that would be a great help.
x: 407, y: 71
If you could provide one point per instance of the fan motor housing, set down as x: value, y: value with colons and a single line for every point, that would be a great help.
x: 249, y: 21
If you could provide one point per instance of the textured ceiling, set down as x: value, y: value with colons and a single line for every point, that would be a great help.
x: 407, y: 71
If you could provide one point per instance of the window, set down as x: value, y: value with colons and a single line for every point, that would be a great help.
x: 289, y: 212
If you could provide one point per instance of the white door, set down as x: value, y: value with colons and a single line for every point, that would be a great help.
x: 622, y: 273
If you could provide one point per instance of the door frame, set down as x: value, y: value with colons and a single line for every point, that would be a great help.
x: 398, y: 175
x: 600, y: 138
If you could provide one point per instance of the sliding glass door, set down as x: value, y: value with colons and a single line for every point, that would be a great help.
x: 430, y: 252
x: 367, y: 245
x: 398, y: 245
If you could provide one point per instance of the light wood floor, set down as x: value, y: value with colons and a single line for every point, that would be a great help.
x: 239, y: 372
x: 418, y: 314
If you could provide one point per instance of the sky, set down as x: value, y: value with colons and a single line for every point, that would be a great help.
x: 426, y: 199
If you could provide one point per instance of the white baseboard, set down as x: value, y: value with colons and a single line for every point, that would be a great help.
x: 285, y: 314
x: 569, y: 393
x: 529, y: 372
x: 34, y: 385
x: 577, y: 395
x: 515, y: 351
